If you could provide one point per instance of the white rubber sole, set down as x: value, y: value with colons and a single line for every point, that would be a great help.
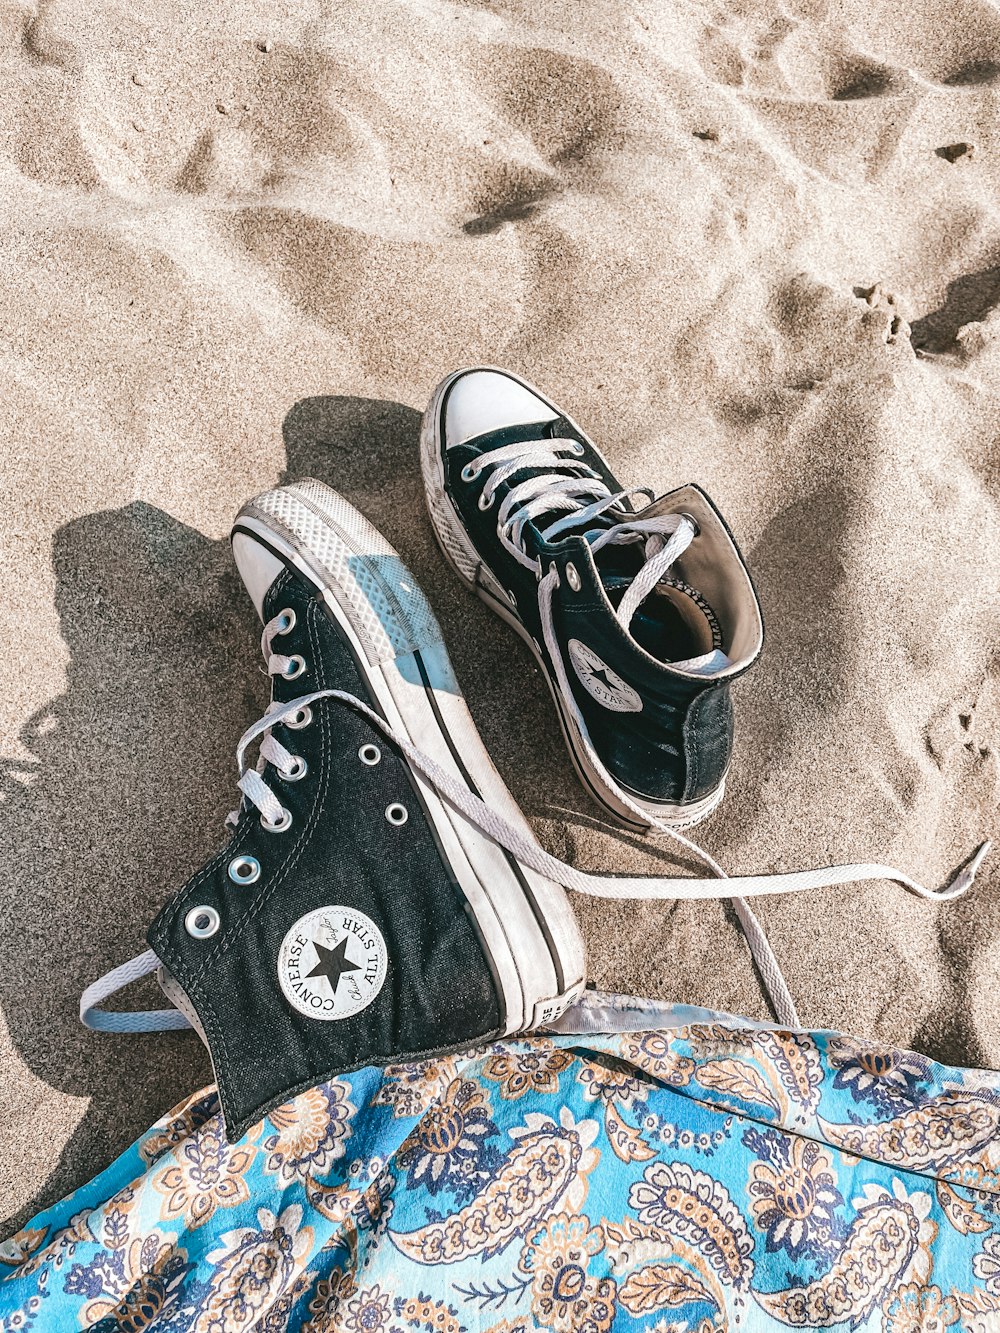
x: 525, y: 921
x: 461, y: 554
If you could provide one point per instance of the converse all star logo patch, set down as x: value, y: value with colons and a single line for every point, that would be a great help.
x: 598, y: 679
x: 332, y: 963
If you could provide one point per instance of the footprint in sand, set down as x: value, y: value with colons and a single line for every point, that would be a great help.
x: 970, y: 299
x: 509, y: 193
x: 858, y: 80
x: 722, y: 59
x: 44, y: 101
x: 962, y: 738
x: 882, y: 303
x: 42, y: 42
x: 567, y: 106
x: 974, y: 74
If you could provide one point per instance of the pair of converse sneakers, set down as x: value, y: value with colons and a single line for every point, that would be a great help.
x: 382, y: 897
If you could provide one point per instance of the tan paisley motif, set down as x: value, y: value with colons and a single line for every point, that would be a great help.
x: 713, y: 1041
x: 963, y: 1214
x: 797, y: 1062
x: 632, y: 1246
x: 142, y: 1285
x: 535, y: 1173
x: 565, y: 1296
x: 880, y: 1245
x: 693, y: 1205
x: 61, y: 1245
x: 626, y: 1140
x: 740, y: 1083
x: 986, y: 1264
x: 979, y: 1175
x: 179, y: 1124
x: 433, y: 1315
x: 369, y: 1311
x: 938, y: 1134
x: 654, y: 1054
x: 203, y: 1173
x: 254, y: 1266
x: 278, y: 1318
x: 793, y: 1058
x: 916, y: 1308
x: 660, y: 1287
x: 334, y: 1202
x: 326, y: 1299
x: 360, y: 1217
x: 528, y: 1071
x: 618, y: 1090
x: 310, y: 1132
x: 410, y: 1089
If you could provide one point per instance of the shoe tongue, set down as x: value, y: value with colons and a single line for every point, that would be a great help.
x: 523, y: 432
x: 675, y: 624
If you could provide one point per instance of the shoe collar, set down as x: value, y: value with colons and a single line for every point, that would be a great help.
x: 712, y: 564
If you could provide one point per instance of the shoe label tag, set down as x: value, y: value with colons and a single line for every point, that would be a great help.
x: 598, y: 679
x: 332, y: 963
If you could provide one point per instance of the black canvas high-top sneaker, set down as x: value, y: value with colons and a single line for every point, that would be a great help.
x: 639, y: 618
x: 355, y: 917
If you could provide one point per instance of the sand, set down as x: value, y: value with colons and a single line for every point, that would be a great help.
x: 752, y: 245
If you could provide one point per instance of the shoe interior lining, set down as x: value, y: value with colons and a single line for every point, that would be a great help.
x: 712, y: 566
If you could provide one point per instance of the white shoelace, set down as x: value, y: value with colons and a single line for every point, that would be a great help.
x: 290, y: 766
x: 524, y: 849
x: 666, y: 537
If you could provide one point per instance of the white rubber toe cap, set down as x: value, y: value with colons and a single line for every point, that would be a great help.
x: 485, y: 400
x: 257, y: 566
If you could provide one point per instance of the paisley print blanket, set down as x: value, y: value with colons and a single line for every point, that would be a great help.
x: 656, y: 1168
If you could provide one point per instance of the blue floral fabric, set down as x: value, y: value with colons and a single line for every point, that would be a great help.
x: 686, y: 1172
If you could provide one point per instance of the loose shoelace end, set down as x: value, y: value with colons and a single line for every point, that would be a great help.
x: 965, y: 878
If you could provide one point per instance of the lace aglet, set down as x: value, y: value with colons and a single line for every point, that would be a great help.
x: 965, y: 878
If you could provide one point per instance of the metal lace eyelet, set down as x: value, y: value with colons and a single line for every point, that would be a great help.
x: 201, y: 923
x: 396, y: 814
x: 295, y: 771
x: 286, y: 621
x: 283, y: 822
x: 244, y: 870
x: 300, y: 719
x: 694, y: 523
x: 578, y: 448
x: 295, y: 667
x: 572, y: 577
x: 485, y: 502
x: 469, y: 472
x: 370, y: 755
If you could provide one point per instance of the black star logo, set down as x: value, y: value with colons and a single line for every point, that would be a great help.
x: 333, y: 963
x: 601, y: 674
